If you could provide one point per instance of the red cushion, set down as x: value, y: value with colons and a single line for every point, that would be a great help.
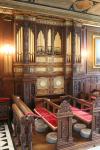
x: 51, y: 119
x: 86, y: 117
x: 4, y: 99
x: 47, y: 116
x: 93, y: 97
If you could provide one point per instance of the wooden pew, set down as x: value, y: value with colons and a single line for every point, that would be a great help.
x: 64, y: 124
x: 29, y: 119
x: 63, y: 117
x: 47, y: 111
x: 80, y: 107
x: 65, y: 136
x: 19, y: 126
x: 75, y: 101
x: 80, y: 113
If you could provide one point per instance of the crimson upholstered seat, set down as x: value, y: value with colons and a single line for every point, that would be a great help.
x: 47, y: 116
x: 82, y: 115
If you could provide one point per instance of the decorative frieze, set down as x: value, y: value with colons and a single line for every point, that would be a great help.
x: 50, y: 21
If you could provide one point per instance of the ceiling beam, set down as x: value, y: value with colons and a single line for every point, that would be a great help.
x: 36, y: 9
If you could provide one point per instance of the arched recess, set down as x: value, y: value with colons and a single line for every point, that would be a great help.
x: 57, y: 44
x: 40, y: 43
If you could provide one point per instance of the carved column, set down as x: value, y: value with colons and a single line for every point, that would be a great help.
x: 26, y: 43
x: 70, y: 130
x: 67, y: 56
x: 73, y: 44
x: 73, y: 56
x: 64, y: 116
x: 76, y: 58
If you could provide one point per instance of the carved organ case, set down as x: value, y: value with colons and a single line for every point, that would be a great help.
x: 38, y: 67
x: 75, y: 62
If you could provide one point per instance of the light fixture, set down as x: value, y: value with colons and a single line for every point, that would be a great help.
x: 8, y: 49
x: 84, y: 53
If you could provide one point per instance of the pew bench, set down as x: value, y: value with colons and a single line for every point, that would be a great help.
x: 44, y: 111
x: 47, y: 116
x: 47, y: 111
x: 82, y: 113
x: 81, y: 108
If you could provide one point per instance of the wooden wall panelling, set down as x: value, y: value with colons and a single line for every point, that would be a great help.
x: 79, y: 85
x: 7, y: 86
x: 18, y: 86
x: 76, y: 57
x: 6, y: 56
x: 29, y: 91
x: 1, y: 87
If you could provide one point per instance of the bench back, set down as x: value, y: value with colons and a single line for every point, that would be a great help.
x: 76, y: 102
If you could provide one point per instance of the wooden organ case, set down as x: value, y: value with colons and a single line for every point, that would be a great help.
x: 39, y: 61
x: 49, y: 58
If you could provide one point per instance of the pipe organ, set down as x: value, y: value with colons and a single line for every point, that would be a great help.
x: 39, y: 62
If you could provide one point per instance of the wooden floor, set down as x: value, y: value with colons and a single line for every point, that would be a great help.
x: 39, y: 142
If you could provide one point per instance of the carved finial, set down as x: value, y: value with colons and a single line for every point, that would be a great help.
x: 65, y: 107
